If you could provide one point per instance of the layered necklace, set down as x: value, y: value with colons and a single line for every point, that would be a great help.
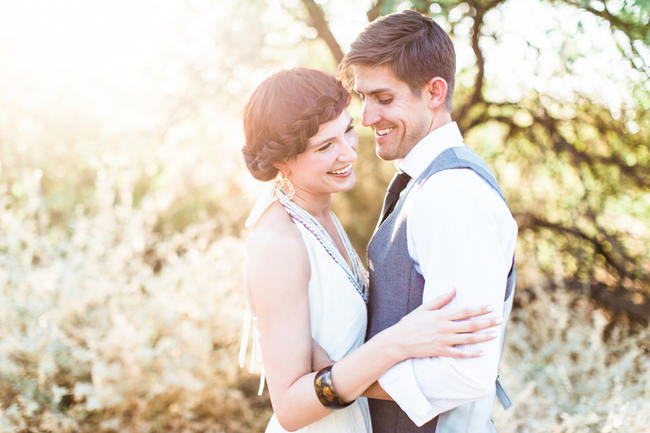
x: 357, y: 275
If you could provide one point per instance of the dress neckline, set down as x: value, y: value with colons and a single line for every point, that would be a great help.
x: 356, y: 274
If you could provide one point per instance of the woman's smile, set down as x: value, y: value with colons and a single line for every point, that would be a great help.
x: 342, y: 172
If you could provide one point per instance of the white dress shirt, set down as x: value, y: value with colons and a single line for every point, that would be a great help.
x: 460, y: 235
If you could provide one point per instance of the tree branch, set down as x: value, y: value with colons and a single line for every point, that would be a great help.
x: 560, y: 144
x: 477, y: 93
x: 635, y: 31
x: 317, y: 20
x: 637, y: 174
x: 375, y: 11
x: 615, y: 302
x: 529, y: 221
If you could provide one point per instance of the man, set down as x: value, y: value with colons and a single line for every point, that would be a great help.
x: 450, y: 227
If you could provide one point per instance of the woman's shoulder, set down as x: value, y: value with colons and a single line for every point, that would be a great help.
x: 274, y: 229
x: 275, y: 241
x: 276, y: 259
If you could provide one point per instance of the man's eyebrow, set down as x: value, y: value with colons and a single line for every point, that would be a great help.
x: 374, y: 92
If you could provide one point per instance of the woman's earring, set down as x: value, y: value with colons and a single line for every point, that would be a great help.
x: 284, y: 190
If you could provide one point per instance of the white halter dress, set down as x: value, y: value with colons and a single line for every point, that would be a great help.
x: 337, y: 308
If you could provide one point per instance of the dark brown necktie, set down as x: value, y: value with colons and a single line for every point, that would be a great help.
x: 394, y: 189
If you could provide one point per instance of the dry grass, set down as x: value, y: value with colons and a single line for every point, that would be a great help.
x: 108, y: 325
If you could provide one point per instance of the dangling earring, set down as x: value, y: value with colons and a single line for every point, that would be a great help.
x: 284, y: 190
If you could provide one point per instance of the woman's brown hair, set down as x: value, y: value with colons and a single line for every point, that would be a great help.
x: 283, y: 112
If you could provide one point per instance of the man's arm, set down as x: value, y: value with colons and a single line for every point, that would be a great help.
x: 461, y: 235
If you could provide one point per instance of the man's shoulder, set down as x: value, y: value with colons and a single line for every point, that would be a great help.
x: 454, y: 181
x: 449, y: 193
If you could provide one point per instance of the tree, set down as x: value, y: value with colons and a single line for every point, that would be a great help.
x: 578, y: 171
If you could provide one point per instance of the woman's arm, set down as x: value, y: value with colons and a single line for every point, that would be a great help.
x: 278, y: 277
x: 425, y: 332
x: 320, y: 359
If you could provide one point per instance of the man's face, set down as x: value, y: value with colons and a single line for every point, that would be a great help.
x: 399, y: 118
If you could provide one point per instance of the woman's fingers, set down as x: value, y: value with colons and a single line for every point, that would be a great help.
x: 453, y: 352
x: 461, y: 339
x: 466, y: 313
x: 438, y: 302
x: 475, y: 324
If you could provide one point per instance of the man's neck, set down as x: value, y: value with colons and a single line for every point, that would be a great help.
x: 440, y: 119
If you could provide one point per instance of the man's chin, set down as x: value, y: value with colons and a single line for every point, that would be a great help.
x: 384, y: 154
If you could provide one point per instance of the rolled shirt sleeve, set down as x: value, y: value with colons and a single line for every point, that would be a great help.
x: 460, y: 235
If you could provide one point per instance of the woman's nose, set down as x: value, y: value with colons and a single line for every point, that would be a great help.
x: 348, y: 152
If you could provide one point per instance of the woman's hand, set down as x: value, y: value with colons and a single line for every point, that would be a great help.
x: 427, y: 331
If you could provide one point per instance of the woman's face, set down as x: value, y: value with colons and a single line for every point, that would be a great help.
x: 326, y: 164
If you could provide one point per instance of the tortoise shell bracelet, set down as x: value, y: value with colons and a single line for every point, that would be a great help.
x: 325, y: 389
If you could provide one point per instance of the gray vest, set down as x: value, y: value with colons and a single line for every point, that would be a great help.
x: 396, y: 289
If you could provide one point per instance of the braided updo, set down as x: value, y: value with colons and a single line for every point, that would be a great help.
x: 283, y: 112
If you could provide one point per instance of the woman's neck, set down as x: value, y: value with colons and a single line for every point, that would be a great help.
x: 318, y: 206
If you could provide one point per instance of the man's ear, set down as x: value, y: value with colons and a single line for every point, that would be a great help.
x: 436, y: 92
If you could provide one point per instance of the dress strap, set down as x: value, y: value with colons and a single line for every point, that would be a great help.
x: 255, y: 363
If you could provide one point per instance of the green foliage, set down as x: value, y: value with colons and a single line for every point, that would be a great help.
x: 575, y: 172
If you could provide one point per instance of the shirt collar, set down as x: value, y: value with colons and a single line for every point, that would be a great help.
x: 427, y: 149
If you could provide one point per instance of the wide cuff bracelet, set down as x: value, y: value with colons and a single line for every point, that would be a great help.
x: 325, y: 390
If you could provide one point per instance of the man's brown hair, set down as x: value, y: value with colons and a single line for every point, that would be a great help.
x: 411, y: 44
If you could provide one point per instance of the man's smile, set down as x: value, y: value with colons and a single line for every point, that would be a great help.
x: 382, y: 132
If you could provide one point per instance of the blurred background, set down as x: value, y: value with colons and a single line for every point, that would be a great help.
x: 123, y: 194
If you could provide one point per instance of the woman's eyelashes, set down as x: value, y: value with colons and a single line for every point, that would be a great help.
x: 327, y: 145
x: 324, y: 147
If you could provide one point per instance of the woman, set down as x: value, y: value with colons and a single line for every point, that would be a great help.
x: 305, y: 283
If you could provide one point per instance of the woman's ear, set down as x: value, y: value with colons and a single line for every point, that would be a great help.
x: 436, y: 92
x: 282, y: 168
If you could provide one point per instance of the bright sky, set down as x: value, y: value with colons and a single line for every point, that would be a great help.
x: 114, y: 59
x: 97, y: 54
x: 513, y: 64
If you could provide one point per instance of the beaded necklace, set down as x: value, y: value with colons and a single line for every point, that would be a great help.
x: 357, y: 275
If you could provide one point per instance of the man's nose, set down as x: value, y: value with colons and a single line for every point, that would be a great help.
x: 369, y: 114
